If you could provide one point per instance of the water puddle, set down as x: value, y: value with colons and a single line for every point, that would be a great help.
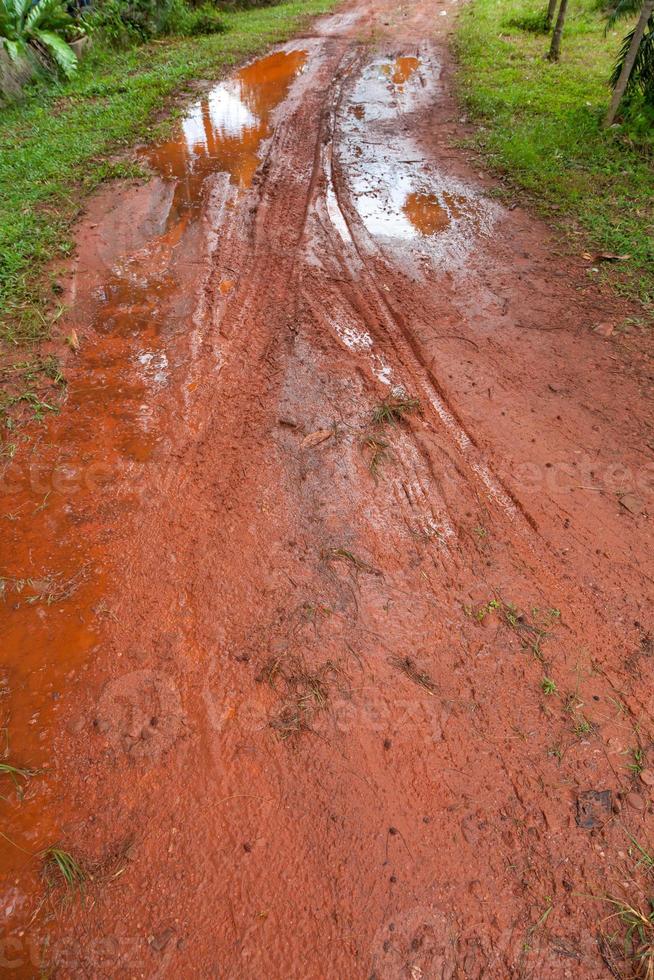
x: 430, y: 214
x: 404, y: 202
x: 401, y: 70
x: 223, y: 132
x: 78, y: 473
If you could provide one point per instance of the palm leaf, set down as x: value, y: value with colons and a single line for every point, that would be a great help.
x: 7, y: 20
x: 13, y: 48
x: 19, y: 9
x: 642, y: 73
x: 46, y: 14
x: 622, y: 10
x: 61, y: 53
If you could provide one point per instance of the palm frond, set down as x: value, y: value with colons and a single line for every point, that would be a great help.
x: 7, y: 21
x: 622, y: 10
x: 28, y: 26
x: 13, y: 48
x: 47, y: 14
x: 61, y: 53
x: 641, y: 78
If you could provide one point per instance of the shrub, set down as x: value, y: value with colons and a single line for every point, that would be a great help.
x: 121, y: 23
x: 39, y: 31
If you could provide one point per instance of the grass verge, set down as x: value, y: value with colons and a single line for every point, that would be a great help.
x: 540, y: 127
x: 62, y: 141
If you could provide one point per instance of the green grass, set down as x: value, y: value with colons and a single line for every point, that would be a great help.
x: 548, y: 686
x: 541, y: 128
x: 62, y: 141
x: 61, y: 868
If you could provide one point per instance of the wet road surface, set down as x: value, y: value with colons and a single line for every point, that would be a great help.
x: 342, y: 478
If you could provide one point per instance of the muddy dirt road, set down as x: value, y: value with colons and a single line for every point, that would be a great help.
x: 327, y: 597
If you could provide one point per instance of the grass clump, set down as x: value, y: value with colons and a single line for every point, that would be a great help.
x: 379, y: 452
x: 638, y: 764
x: 636, y: 944
x: 60, y: 868
x: 306, y: 693
x: 531, y: 629
x: 542, y: 129
x: 392, y: 410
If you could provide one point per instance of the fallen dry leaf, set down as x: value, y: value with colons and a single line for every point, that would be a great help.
x: 632, y: 503
x: 611, y: 257
x: 315, y: 438
x: 594, y: 808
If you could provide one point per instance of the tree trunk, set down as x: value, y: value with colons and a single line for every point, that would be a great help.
x: 551, y: 9
x: 619, y: 90
x: 555, y: 47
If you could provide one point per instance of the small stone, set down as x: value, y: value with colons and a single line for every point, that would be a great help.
x: 161, y: 940
x: 636, y: 801
x: 647, y: 777
x: 632, y: 503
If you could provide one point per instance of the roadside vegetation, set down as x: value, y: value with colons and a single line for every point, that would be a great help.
x: 64, y: 137
x: 544, y: 123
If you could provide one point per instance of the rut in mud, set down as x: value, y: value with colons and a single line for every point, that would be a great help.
x: 331, y: 582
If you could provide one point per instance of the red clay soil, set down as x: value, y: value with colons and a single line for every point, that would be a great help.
x: 327, y: 601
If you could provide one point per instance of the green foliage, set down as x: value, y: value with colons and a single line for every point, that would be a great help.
x: 541, y: 129
x: 203, y: 20
x: 121, y: 23
x: 535, y: 22
x: 39, y: 31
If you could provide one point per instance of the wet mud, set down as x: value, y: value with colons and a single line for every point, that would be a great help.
x: 326, y: 597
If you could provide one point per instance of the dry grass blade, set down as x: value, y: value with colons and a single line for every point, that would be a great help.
x: 392, y: 410
x: 379, y: 452
x: 16, y: 773
x: 315, y: 694
x: 307, y: 694
x: 408, y: 667
x: 290, y: 721
x: 342, y: 554
x: 638, y: 941
x: 271, y: 670
x: 115, y: 863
